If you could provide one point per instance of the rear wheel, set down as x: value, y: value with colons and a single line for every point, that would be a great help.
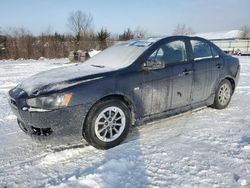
x: 107, y: 124
x: 223, y: 95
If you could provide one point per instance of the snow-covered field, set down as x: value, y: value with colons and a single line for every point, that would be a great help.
x: 203, y: 148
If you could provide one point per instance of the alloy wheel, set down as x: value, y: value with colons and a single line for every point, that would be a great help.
x: 110, y: 123
x: 224, y: 94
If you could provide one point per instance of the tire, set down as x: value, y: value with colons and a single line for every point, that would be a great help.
x: 104, y: 131
x: 223, y: 95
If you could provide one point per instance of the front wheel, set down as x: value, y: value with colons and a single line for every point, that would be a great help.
x: 223, y: 95
x: 107, y: 124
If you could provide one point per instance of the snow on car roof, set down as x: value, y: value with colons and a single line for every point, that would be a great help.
x: 140, y: 42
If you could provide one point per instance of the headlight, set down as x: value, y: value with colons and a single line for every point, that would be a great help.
x: 51, y: 101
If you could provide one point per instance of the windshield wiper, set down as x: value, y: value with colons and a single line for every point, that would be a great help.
x: 99, y: 66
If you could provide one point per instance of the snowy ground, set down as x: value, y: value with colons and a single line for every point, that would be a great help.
x: 203, y: 148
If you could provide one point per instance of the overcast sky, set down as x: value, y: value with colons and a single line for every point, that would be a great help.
x: 158, y: 17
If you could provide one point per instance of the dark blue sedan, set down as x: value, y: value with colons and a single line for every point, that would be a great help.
x: 127, y: 84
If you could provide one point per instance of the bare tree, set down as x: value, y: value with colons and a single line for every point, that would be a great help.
x: 126, y: 35
x: 139, y: 32
x: 3, y: 40
x: 245, y: 32
x: 79, y: 23
x: 102, y: 37
x: 182, y: 29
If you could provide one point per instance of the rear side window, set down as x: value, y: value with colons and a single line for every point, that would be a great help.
x: 201, y: 50
x: 169, y: 53
x: 215, y: 52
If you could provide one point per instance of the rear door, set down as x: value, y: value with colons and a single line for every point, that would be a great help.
x: 207, y: 65
x: 182, y: 75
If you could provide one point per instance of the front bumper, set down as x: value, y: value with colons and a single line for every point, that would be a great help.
x: 63, y: 123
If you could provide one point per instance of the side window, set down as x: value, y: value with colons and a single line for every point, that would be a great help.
x: 201, y: 50
x: 172, y: 52
x: 157, y: 55
x: 175, y: 52
x: 215, y: 52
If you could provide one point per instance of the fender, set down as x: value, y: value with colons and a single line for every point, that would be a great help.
x: 228, y: 77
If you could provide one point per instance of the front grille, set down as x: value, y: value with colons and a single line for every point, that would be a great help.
x: 34, y: 130
x: 41, y: 131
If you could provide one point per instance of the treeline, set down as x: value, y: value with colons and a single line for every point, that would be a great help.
x: 18, y: 43
x: 25, y: 45
x: 21, y: 43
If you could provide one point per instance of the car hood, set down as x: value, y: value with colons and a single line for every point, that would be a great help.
x: 61, y: 78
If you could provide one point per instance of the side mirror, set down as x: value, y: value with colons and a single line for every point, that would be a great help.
x: 153, y: 65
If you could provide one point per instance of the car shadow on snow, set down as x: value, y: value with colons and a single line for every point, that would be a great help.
x: 121, y: 166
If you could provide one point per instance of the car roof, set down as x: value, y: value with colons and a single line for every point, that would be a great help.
x: 156, y: 39
x: 146, y: 42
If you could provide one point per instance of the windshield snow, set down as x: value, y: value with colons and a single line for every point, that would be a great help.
x: 120, y: 55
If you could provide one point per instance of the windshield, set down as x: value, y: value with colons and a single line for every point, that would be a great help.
x: 120, y: 55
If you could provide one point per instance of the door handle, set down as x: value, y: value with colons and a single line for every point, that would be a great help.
x: 186, y: 72
x: 218, y: 65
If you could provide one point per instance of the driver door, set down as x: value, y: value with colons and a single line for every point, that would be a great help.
x: 167, y: 78
x: 155, y: 89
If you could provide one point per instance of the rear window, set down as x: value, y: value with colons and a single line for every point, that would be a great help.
x: 201, y: 50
